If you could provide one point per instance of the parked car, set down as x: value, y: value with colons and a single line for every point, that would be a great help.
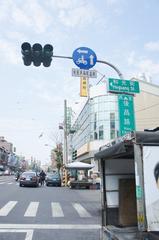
x: 29, y: 179
x: 1, y: 173
x: 53, y: 179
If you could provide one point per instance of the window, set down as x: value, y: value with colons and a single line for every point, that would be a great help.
x: 101, y: 133
x: 112, y: 134
x: 95, y: 136
x: 112, y: 125
x: 95, y: 121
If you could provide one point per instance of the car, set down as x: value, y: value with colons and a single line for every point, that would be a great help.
x: 29, y: 179
x: 7, y: 173
x: 1, y: 173
x: 53, y: 179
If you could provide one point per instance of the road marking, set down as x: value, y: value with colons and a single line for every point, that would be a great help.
x: 56, y: 210
x: 32, y: 209
x: 7, y: 208
x: 10, y: 183
x: 2, y: 182
x: 29, y: 233
x: 50, y: 226
x: 81, y: 210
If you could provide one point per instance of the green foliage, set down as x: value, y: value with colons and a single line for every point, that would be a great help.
x: 59, y: 155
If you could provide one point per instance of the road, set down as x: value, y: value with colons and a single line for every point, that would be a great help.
x: 48, y: 213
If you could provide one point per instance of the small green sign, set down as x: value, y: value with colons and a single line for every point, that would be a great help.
x: 126, y: 114
x: 123, y: 86
x: 138, y: 192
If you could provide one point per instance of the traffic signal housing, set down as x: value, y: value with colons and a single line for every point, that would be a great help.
x: 27, y: 53
x: 37, y: 54
x: 74, y: 155
x: 47, y: 55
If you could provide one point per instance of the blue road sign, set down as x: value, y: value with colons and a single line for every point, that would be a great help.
x: 84, y: 58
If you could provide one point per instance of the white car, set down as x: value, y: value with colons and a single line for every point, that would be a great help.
x: 6, y: 173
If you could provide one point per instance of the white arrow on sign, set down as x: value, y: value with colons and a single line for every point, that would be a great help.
x: 82, y: 51
x: 91, y: 60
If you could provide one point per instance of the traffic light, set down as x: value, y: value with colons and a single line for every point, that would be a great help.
x: 37, y: 54
x: 47, y: 55
x: 74, y: 155
x: 26, y: 52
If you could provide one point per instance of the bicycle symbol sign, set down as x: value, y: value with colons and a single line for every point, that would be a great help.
x: 84, y: 58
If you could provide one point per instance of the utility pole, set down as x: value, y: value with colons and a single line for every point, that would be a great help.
x: 65, y: 152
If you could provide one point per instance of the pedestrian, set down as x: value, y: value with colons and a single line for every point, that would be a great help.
x: 42, y: 177
x: 17, y: 175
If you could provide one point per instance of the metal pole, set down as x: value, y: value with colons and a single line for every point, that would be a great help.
x: 65, y: 160
x: 99, y: 61
x: 112, y: 66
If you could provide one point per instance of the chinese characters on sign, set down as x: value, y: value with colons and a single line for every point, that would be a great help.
x: 83, y: 87
x: 123, y: 86
x: 126, y: 114
x: 76, y: 72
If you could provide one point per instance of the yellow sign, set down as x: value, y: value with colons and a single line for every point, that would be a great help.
x: 140, y: 217
x: 83, y: 86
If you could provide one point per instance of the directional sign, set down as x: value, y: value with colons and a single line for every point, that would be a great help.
x: 76, y: 72
x: 126, y: 114
x: 123, y: 86
x: 84, y: 58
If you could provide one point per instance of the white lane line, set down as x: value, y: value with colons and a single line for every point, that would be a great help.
x: 7, y: 208
x: 56, y: 210
x: 2, y: 182
x: 50, y: 226
x: 10, y: 183
x: 32, y: 209
x: 29, y: 233
x: 81, y: 210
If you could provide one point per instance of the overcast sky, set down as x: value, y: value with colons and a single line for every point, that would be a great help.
x: 122, y: 32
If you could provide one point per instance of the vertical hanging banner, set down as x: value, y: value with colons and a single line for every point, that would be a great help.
x: 83, y: 86
x: 126, y: 113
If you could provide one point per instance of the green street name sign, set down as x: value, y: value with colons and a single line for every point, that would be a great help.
x: 126, y: 114
x: 123, y: 86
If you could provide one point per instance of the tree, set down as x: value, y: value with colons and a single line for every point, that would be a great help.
x: 58, y: 155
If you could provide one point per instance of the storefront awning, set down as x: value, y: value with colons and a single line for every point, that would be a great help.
x: 79, y: 165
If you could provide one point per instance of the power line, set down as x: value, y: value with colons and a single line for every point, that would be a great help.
x: 148, y: 107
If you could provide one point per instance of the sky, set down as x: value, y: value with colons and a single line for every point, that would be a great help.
x: 122, y: 32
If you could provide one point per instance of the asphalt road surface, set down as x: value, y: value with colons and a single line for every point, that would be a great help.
x: 48, y: 213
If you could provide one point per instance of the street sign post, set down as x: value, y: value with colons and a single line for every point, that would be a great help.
x: 76, y: 72
x: 84, y: 58
x: 123, y: 86
x: 126, y: 114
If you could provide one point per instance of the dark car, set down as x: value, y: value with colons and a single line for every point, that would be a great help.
x: 29, y: 179
x: 53, y: 179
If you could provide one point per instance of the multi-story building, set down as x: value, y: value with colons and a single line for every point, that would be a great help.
x: 6, y: 145
x: 6, y: 148
x: 98, y: 121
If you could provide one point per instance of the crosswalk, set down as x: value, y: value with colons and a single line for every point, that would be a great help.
x: 9, y: 180
x: 8, y: 183
x: 56, y: 209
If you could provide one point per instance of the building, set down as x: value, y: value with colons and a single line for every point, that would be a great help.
x: 6, y: 150
x: 98, y: 121
x: 6, y: 145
